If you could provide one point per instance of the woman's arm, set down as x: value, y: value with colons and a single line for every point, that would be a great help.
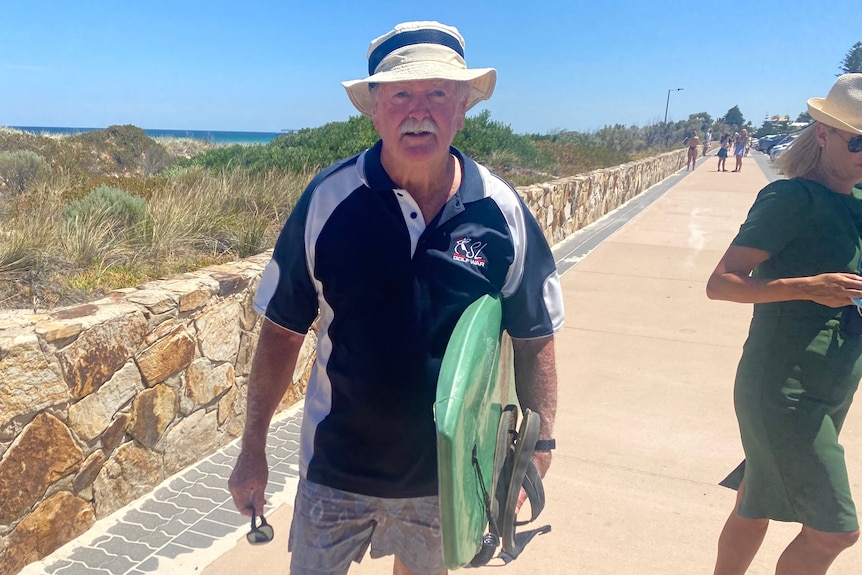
x: 732, y: 281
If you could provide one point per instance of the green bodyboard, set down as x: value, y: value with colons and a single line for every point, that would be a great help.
x: 471, y: 390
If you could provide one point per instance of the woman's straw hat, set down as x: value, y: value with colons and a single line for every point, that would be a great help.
x: 842, y: 108
x: 420, y: 51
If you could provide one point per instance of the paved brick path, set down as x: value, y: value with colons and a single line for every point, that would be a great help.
x: 183, y: 522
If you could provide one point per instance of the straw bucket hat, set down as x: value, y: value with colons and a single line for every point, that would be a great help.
x: 420, y: 51
x: 842, y: 107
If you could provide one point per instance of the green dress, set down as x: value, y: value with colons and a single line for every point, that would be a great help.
x: 800, y: 365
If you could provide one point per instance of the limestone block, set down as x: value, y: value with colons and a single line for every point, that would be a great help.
x: 167, y: 356
x: 192, y: 293
x: 90, y: 416
x: 100, y: 351
x: 230, y: 283
x: 152, y: 411
x: 42, y: 454
x: 225, y: 405
x: 56, y: 521
x: 160, y: 331
x: 236, y: 418
x: 190, y: 440
x: 52, y: 331
x: 218, y: 330
x: 115, y: 432
x: 203, y: 383
x: 247, y: 346
x: 28, y: 383
x: 155, y: 300
x: 132, y: 472
x: 89, y: 471
x: 249, y: 318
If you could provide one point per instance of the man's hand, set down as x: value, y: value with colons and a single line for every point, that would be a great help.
x: 248, y: 482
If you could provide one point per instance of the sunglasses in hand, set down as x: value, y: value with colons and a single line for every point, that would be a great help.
x: 261, y: 531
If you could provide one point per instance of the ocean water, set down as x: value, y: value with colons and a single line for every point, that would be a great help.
x: 212, y: 136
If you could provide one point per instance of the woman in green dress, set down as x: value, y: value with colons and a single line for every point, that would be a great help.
x: 796, y: 258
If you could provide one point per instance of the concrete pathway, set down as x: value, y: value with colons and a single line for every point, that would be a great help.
x: 645, y: 427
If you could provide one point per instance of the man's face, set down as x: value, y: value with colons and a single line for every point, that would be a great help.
x: 418, y: 120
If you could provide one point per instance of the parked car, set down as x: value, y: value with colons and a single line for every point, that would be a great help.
x: 766, y: 142
x: 777, y: 149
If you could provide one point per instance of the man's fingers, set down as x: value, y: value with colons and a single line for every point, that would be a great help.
x: 522, y: 496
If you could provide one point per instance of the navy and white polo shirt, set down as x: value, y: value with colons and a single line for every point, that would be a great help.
x: 389, y: 290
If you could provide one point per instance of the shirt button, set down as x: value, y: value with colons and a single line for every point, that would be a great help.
x: 414, y: 215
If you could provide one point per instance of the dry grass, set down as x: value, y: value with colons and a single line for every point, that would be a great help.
x: 195, y: 218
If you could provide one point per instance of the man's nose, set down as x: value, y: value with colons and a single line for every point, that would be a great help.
x: 418, y: 108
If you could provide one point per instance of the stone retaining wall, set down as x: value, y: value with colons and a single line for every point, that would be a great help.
x: 101, y: 402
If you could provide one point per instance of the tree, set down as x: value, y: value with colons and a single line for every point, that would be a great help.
x: 804, y: 117
x: 852, y: 63
x: 734, y: 118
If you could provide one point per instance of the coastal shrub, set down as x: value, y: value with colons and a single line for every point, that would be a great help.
x: 21, y: 169
x: 489, y: 141
x: 107, y: 202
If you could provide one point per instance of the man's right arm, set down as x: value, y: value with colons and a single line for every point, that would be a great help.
x: 271, y: 374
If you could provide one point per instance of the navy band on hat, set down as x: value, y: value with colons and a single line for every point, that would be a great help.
x: 408, y: 39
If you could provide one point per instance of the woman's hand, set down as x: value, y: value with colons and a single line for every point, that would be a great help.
x: 832, y: 289
x: 732, y: 281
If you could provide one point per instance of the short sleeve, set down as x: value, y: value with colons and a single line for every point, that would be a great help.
x: 535, y: 308
x: 286, y: 294
x: 777, y: 215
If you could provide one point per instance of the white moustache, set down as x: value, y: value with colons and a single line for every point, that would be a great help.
x: 412, y: 126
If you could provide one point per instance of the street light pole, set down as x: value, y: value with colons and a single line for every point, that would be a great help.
x: 668, y: 102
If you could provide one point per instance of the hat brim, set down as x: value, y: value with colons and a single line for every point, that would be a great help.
x: 816, y: 111
x: 481, y: 80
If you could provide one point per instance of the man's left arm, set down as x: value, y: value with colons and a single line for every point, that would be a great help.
x: 536, y: 386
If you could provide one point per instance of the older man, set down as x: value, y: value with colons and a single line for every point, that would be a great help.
x: 371, y: 247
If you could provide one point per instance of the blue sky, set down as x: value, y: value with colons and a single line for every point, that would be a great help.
x: 267, y: 65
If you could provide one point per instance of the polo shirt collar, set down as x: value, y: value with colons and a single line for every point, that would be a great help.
x: 376, y: 178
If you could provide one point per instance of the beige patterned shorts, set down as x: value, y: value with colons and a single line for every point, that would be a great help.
x: 331, y: 528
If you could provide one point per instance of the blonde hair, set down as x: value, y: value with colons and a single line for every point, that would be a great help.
x: 802, y: 156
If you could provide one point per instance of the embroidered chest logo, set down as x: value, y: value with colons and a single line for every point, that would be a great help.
x: 466, y: 250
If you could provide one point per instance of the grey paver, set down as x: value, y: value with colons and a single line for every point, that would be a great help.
x: 56, y: 565
x: 131, y: 532
x: 120, y: 565
x: 186, y: 502
x: 214, y: 494
x: 227, y: 516
x: 151, y: 521
x: 151, y: 565
x: 163, y: 509
x: 214, y: 482
x: 222, y: 470
x: 194, y: 540
x: 222, y: 458
x: 119, y: 546
x: 213, y: 528
x: 81, y: 569
x: 91, y: 556
x: 172, y: 551
x: 181, y: 523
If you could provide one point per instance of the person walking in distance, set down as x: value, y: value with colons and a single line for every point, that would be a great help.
x: 707, y: 139
x: 740, y: 143
x: 370, y: 249
x: 795, y: 258
x: 722, y: 153
x: 693, y: 143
